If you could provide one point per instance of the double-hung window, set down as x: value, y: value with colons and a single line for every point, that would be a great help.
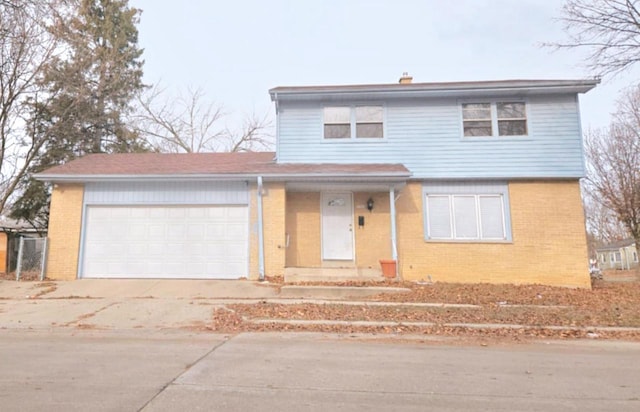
x: 458, y: 212
x: 494, y: 119
x: 359, y: 122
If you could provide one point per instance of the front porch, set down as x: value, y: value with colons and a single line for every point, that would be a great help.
x: 338, y: 232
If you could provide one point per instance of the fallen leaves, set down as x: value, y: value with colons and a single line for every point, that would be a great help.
x: 533, y: 307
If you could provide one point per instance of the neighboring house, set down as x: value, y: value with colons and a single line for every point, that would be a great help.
x: 618, y: 255
x: 457, y: 182
x: 10, y: 232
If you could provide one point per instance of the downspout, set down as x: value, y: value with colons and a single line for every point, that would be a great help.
x: 392, y: 210
x: 275, y: 99
x: 260, y: 232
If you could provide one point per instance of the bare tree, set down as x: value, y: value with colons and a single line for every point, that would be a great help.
x: 613, y: 170
x: 602, y: 223
x: 25, y: 48
x: 608, y: 29
x: 190, y: 124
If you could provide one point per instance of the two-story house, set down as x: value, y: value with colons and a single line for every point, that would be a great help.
x: 455, y: 182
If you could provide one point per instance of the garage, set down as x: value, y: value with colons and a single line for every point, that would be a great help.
x: 189, y: 230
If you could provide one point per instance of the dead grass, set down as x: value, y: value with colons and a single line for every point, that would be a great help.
x: 607, y: 305
x: 25, y: 276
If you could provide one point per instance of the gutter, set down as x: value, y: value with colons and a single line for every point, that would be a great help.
x: 259, y: 195
x: 79, y: 178
x: 410, y: 94
x: 426, y: 90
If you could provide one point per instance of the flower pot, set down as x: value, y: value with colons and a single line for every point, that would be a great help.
x: 388, y: 268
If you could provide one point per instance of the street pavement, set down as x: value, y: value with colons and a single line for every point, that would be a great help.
x: 82, y: 370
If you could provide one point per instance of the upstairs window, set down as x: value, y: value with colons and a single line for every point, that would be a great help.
x: 337, y: 122
x: 477, y: 119
x: 490, y: 119
x: 359, y: 122
x: 369, y: 121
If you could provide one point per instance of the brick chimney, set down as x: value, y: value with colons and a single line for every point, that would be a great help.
x: 405, y: 79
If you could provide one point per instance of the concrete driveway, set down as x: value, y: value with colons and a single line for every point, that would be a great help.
x: 142, y: 304
x: 119, y: 304
x: 138, y: 288
x: 168, y: 371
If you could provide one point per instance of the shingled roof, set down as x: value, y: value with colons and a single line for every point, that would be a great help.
x: 618, y: 244
x: 447, y: 88
x: 243, y: 164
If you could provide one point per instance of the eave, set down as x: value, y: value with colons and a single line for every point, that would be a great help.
x: 371, y: 177
x: 415, y: 90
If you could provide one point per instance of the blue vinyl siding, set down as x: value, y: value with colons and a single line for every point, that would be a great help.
x: 426, y: 136
x: 166, y: 193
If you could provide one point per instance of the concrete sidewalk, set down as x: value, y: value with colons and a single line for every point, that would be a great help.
x: 191, y: 304
x: 137, y: 288
x: 128, y: 304
x: 180, y: 289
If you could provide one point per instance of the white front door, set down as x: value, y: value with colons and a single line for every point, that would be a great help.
x: 337, y: 226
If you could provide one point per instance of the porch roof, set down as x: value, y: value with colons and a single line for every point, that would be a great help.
x: 619, y: 244
x: 224, y: 166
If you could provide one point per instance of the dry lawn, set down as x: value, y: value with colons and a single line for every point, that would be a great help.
x: 608, y: 304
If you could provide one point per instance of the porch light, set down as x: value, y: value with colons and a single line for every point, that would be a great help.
x: 370, y: 204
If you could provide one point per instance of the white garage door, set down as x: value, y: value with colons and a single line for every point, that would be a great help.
x: 205, y: 242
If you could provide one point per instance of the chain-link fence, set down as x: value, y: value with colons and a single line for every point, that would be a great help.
x: 30, y: 262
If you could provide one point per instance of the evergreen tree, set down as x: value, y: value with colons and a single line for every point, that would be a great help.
x: 92, y: 85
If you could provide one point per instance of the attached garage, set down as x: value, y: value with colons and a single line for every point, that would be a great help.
x: 190, y: 230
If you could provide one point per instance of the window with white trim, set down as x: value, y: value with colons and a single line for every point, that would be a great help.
x: 360, y: 122
x: 618, y: 257
x: 603, y: 258
x: 465, y: 217
x: 494, y: 119
x: 635, y: 256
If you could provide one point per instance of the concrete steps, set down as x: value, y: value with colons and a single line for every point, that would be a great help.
x: 331, y: 274
x: 336, y: 292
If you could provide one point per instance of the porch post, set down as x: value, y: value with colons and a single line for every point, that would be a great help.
x: 260, y: 231
x: 392, y: 210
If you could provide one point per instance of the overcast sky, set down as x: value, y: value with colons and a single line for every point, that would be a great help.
x: 236, y: 50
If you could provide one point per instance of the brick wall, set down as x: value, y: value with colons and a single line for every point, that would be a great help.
x: 303, y: 221
x: 373, y: 240
x: 273, y: 212
x: 64, y: 231
x: 303, y: 227
x: 549, y: 242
